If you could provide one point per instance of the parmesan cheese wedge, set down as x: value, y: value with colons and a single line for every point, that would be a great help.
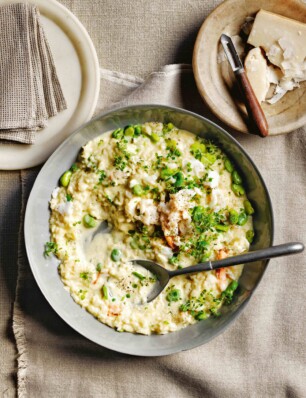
x: 257, y: 71
x: 283, y: 41
x: 281, y: 38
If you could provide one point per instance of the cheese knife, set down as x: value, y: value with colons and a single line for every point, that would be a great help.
x: 255, y: 112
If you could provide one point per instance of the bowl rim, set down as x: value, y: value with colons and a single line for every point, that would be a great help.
x: 27, y: 225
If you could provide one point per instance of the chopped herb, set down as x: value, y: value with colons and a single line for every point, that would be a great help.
x: 139, y: 190
x: 84, y: 275
x: 74, y: 167
x: 185, y: 307
x: 215, y: 312
x: 102, y: 176
x: 50, y: 247
x: 197, y: 149
x: 167, y: 173
x: 119, y: 163
x: 173, y: 295
x: 82, y: 294
x: 201, y: 315
x: 69, y: 197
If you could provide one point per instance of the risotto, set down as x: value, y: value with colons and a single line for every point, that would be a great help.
x: 156, y: 192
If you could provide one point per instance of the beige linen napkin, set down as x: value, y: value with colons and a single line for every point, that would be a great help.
x: 263, y: 354
x: 30, y: 92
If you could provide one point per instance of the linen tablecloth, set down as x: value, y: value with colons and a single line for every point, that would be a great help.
x: 263, y: 352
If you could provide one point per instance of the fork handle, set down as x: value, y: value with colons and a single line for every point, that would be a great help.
x: 255, y: 112
x: 263, y: 254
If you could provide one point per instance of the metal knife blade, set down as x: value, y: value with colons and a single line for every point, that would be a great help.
x: 231, y: 53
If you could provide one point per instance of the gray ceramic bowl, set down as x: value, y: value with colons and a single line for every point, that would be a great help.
x: 45, y: 270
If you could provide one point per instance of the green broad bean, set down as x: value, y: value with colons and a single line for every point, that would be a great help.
x: 233, y: 217
x: 133, y: 244
x: 228, y: 165
x: 250, y: 235
x: 104, y: 292
x: 168, y: 127
x: 129, y: 131
x: 116, y: 254
x: 238, y: 189
x: 236, y: 178
x: 166, y: 173
x: 198, y: 146
x: 179, y: 179
x: 65, y: 178
x: 242, y: 218
x: 155, y: 137
x: 117, y: 134
x: 208, y: 158
x: 171, y: 144
x: 248, y: 207
x: 137, y: 131
x: 138, y: 275
x: 222, y: 227
x: 89, y: 221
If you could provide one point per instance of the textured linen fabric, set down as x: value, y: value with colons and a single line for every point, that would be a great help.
x: 10, y: 195
x: 262, y: 354
x: 30, y: 91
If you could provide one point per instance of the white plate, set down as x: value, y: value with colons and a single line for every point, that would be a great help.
x: 77, y: 66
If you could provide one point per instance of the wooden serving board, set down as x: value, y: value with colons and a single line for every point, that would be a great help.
x: 215, y: 79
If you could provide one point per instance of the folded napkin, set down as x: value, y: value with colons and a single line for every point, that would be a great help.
x: 30, y: 92
x: 263, y: 354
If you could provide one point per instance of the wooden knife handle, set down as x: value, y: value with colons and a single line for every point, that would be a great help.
x: 255, y: 112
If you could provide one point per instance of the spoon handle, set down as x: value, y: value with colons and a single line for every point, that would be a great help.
x: 263, y: 254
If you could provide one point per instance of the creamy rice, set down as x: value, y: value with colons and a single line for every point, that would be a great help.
x: 156, y: 192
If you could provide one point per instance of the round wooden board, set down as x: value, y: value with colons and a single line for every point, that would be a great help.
x: 215, y: 80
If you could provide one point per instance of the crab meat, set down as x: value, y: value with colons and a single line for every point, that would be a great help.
x: 221, y: 273
x: 170, y: 241
x: 143, y: 210
x: 113, y: 310
x: 174, y: 212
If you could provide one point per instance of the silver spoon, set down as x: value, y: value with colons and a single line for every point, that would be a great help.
x: 163, y: 275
